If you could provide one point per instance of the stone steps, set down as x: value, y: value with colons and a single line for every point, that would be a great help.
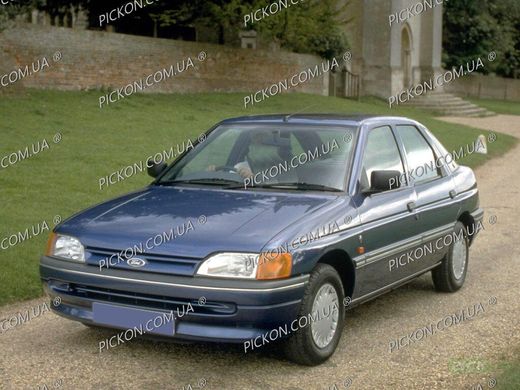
x: 448, y: 104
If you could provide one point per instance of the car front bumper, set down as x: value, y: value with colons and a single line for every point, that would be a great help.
x: 224, y: 310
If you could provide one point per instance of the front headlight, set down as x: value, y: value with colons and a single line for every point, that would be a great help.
x: 248, y: 266
x: 66, y: 247
x: 230, y: 265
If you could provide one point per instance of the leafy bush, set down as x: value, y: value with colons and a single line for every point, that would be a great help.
x: 474, y: 28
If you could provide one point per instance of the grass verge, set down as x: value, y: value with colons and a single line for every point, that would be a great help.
x: 499, y: 106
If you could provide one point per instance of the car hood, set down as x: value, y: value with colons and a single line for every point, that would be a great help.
x: 202, y: 220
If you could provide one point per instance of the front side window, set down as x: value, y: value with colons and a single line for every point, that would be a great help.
x: 419, y: 154
x: 381, y: 154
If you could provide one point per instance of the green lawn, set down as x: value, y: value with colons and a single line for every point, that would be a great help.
x: 502, y: 373
x: 498, y: 106
x: 509, y: 374
x: 96, y: 142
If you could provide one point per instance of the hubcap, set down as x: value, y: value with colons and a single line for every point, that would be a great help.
x: 459, y: 258
x: 325, y: 315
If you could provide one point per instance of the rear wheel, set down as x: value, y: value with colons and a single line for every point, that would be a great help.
x: 451, y: 274
x: 318, y: 335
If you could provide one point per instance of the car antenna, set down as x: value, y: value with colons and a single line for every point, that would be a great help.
x: 287, y: 117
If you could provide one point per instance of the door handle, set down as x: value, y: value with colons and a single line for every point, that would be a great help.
x: 411, y: 206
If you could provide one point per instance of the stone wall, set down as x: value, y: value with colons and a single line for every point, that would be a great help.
x: 93, y: 59
x: 481, y: 86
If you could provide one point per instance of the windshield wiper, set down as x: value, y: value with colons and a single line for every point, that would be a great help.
x: 298, y: 186
x: 208, y: 181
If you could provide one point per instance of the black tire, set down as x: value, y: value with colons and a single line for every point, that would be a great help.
x: 300, y: 346
x: 443, y: 276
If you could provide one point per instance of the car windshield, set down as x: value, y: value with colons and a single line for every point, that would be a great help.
x: 283, y: 156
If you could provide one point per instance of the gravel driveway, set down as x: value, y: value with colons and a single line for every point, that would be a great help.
x: 63, y: 354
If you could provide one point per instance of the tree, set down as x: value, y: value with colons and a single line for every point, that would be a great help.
x: 225, y: 14
x: 475, y: 28
x: 507, y: 14
x: 313, y: 26
x: 13, y: 10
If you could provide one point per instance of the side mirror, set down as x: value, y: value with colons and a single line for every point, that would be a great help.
x: 154, y: 169
x: 384, y: 181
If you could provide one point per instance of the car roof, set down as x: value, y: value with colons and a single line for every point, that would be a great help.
x: 330, y: 119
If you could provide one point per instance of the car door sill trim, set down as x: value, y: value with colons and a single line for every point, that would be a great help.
x: 396, y: 247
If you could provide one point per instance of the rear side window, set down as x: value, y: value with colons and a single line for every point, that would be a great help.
x: 442, y: 150
x: 419, y: 154
x: 381, y: 154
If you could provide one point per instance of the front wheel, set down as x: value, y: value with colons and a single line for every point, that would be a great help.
x: 451, y: 274
x: 320, y: 320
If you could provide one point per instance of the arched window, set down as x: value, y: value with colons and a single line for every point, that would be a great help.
x: 406, y: 56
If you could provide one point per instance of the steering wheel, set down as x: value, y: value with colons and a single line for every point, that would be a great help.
x: 226, y: 168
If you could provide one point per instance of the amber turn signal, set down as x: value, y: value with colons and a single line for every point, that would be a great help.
x: 50, y: 244
x: 274, y: 266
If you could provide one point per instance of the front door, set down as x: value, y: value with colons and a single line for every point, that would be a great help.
x: 389, y: 223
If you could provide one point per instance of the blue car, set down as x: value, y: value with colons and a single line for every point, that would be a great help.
x: 267, y: 230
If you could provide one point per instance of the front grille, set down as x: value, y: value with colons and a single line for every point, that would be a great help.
x: 161, y: 264
x: 156, y: 302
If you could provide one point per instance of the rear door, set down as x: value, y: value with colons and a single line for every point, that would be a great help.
x: 435, y: 208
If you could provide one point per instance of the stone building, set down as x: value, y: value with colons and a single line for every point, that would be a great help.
x: 391, y: 57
